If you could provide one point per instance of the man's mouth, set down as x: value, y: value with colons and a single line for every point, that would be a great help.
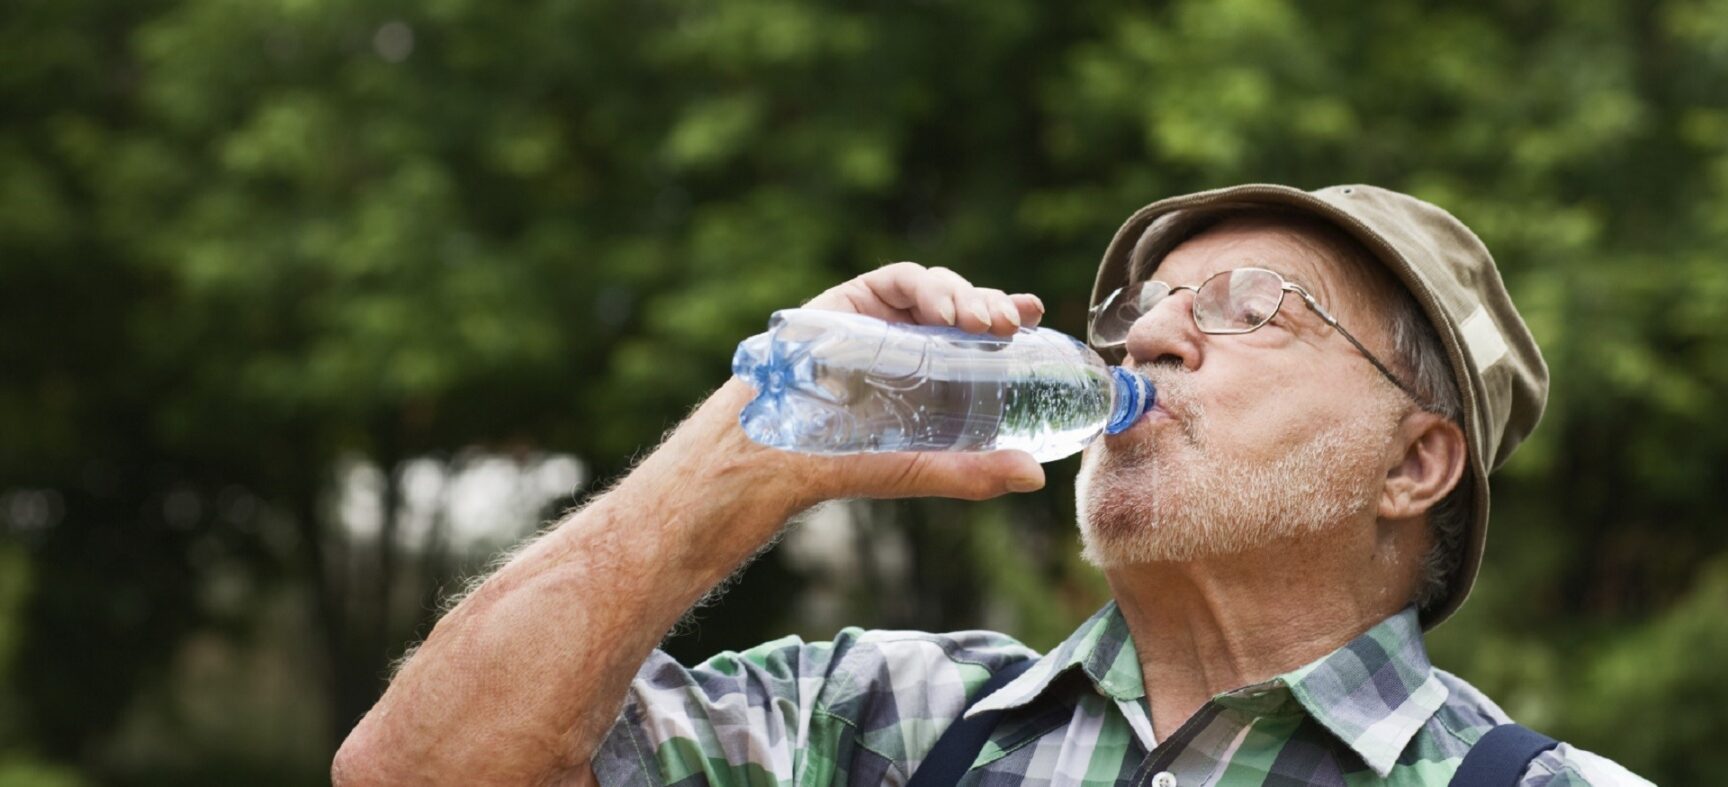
x: 1155, y: 413
x: 1153, y: 416
x: 1159, y: 413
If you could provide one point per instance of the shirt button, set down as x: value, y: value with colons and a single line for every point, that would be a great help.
x: 1164, y: 779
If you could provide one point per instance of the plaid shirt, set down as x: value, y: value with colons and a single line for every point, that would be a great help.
x: 866, y: 708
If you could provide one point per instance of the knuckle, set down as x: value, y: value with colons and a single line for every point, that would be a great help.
x: 949, y: 274
x: 858, y: 296
x: 979, y: 487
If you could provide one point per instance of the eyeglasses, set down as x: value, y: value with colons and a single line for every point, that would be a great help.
x: 1229, y: 302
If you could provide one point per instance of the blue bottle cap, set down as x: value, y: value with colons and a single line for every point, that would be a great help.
x: 1134, y: 394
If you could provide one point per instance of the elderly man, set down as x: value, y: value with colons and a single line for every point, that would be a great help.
x: 1338, y: 372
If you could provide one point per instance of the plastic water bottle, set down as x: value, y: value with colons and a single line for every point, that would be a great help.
x: 835, y: 383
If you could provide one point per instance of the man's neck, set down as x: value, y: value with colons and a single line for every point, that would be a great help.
x: 1208, y: 626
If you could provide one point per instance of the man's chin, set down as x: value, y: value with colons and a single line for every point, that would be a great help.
x: 1121, y: 522
x: 1103, y: 556
x: 1136, y: 447
x: 1125, y: 521
x: 1123, y: 546
x: 1115, y: 504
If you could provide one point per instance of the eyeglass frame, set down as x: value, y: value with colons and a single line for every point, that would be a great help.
x: 1285, y: 286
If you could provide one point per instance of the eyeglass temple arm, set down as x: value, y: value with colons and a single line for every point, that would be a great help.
x: 1333, y: 321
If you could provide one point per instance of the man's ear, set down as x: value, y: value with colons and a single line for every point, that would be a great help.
x: 1433, y: 460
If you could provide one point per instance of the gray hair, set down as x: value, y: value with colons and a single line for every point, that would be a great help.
x: 1417, y: 351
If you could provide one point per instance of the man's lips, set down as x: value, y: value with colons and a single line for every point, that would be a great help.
x: 1158, y: 412
x: 1151, y: 417
x: 1155, y: 413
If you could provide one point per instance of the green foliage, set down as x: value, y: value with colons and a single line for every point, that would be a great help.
x: 20, y: 772
x: 1663, y: 668
x: 14, y: 592
x: 241, y: 241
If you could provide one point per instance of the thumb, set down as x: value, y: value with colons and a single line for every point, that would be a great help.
x: 967, y: 475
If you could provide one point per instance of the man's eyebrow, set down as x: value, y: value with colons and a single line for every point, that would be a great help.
x: 1321, y: 293
x: 1276, y: 267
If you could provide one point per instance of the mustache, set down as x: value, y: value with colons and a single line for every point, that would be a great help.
x: 1175, y: 390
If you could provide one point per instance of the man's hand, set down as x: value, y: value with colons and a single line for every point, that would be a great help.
x: 520, y: 682
x: 909, y: 292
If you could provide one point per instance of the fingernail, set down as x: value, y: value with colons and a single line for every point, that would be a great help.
x: 947, y: 310
x: 1040, y: 303
x: 1025, y: 484
x: 1013, y: 315
x: 982, y: 313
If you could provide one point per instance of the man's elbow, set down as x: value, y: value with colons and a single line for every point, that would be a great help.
x: 364, y: 759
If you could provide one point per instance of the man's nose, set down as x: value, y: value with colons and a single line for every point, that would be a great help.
x: 1165, y: 335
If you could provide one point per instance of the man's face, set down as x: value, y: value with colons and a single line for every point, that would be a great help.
x: 1283, y: 432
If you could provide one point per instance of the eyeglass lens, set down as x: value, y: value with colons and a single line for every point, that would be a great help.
x: 1238, y: 301
x: 1235, y: 301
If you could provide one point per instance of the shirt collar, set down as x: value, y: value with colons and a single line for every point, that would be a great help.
x: 1374, y: 693
x: 1101, y: 648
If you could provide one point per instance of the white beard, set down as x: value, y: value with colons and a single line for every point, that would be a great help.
x: 1137, y: 506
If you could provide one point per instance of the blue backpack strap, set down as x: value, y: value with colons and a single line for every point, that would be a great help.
x: 1500, y: 758
x: 961, y: 742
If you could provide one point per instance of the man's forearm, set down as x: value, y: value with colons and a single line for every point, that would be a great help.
x: 521, y: 680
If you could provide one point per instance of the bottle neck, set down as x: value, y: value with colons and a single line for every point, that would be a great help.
x: 1132, y: 397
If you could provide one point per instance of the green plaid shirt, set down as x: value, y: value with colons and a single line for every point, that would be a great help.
x: 866, y: 708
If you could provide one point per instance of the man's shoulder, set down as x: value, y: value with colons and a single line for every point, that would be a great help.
x: 770, y: 707
x: 855, y: 664
x: 872, y: 660
x: 928, y: 674
x: 984, y: 648
x: 1468, y: 714
x: 854, y: 646
x: 1569, y: 765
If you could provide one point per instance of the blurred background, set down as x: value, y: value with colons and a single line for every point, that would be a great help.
x: 308, y: 309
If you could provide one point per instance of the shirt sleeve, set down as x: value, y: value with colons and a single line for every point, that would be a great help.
x: 737, y: 718
x: 858, y: 710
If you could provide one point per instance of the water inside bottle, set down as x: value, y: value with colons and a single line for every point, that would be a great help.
x: 1048, y: 412
x: 833, y: 383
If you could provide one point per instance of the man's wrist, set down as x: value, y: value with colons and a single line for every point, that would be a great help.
x: 710, y: 474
